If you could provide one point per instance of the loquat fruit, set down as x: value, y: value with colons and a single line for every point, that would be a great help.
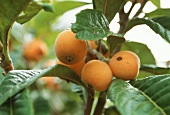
x: 77, y: 68
x: 35, y: 50
x: 125, y: 65
x: 69, y: 49
x: 98, y: 74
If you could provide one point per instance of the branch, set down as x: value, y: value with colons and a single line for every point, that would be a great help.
x: 141, y: 8
x: 98, y: 54
x: 130, y: 10
x: 90, y: 99
x: 5, y: 60
x: 100, y: 104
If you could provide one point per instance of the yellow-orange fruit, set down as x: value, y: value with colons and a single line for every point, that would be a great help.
x: 69, y: 49
x: 35, y: 50
x: 50, y: 83
x: 77, y: 68
x: 98, y: 74
x: 49, y: 63
x: 125, y: 65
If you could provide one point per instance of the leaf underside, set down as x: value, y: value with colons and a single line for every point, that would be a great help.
x: 17, y: 80
x: 149, y: 95
x: 157, y: 89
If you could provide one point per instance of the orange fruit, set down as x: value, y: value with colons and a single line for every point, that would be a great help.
x: 35, y: 50
x: 98, y: 74
x: 50, y: 83
x: 69, y: 49
x: 125, y: 65
x: 77, y: 68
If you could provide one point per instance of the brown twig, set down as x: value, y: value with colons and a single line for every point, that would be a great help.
x: 100, y: 104
x: 98, y: 54
x: 141, y: 8
x: 90, y: 99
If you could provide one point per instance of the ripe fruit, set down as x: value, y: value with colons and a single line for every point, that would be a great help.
x: 50, y: 82
x: 35, y: 50
x: 125, y: 65
x: 98, y: 74
x: 75, y: 67
x: 69, y: 49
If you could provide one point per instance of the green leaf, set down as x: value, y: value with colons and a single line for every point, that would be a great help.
x: 155, y: 70
x: 30, y: 11
x: 155, y: 26
x: 158, y: 13
x: 157, y: 89
x: 157, y: 3
x: 91, y: 25
x: 16, y: 80
x: 131, y: 101
x: 47, y: 7
x: 108, y: 7
x: 111, y: 111
x: 22, y: 104
x: 80, y: 91
x: 67, y: 4
x: 144, y: 53
x: 163, y: 21
x: 19, y: 104
x: 114, y: 41
x: 10, y: 9
x: 144, y: 74
x: 42, y: 106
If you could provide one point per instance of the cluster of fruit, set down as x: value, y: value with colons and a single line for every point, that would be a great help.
x: 72, y: 52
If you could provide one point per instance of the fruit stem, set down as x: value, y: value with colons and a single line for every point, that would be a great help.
x: 98, y: 54
x: 100, y: 104
x: 90, y: 99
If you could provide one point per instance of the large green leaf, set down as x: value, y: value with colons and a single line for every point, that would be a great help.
x: 158, y: 13
x: 114, y: 42
x: 42, y: 106
x: 91, y: 25
x: 10, y: 9
x: 157, y: 3
x: 157, y: 90
x: 19, y: 104
x: 43, y: 19
x: 16, y: 80
x: 131, y: 101
x: 108, y: 7
x: 163, y: 21
x: 155, y: 26
x: 144, y: 53
x: 30, y: 11
x: 155, y: 70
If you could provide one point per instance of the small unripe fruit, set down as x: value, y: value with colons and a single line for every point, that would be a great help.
x: 125, y: 65
x: 77, y: 68
x: 35, y: 50
x: 69, y: 49
x: 98, y: 74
